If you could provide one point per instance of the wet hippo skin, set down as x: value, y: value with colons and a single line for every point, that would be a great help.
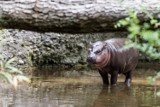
x: 110, y: 57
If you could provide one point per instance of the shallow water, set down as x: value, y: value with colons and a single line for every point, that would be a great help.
x: 81, y: 91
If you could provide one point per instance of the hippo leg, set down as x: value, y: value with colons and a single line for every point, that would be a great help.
x: 114, y: 76
x: 104, y: 76
x: 128, y: 79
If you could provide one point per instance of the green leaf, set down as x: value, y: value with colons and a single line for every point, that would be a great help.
x: 1, y: 65
x: 115, y: 26
x: 9, y: 61
x: 157, y: 25
x: 135, y: 29
x: 158, y: 74
x: 158, y: 93
x: 118, y: 25
x: 153, y: 21
x: 23, y: 78
x: 123, y: 22
x: 146, y: 34
x: 127, y: 19
x: 7, y: 76
x: 13, y: 70
x: 146, y: 26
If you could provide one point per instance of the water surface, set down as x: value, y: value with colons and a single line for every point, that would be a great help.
x: 81, y: 91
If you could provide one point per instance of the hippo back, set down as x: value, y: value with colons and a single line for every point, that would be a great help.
x: 122, y: 59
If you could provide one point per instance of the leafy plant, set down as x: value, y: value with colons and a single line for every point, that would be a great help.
x: 10, y: 73
x: 7, y: 71
x: 145, y: 36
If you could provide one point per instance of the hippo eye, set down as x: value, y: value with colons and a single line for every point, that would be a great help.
x: 98, y: 51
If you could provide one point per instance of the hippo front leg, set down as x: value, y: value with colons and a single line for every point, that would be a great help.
x: 104, y: 76
x: 114, y: 76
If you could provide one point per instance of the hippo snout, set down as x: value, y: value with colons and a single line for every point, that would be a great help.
x: 91, y: 60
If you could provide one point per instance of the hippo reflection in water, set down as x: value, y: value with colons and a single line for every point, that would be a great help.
x: 110, y: 57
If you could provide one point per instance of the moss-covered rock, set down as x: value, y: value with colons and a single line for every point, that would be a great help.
x: 50, y: 48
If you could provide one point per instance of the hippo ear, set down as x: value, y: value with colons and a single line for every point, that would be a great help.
x: 104, y: 45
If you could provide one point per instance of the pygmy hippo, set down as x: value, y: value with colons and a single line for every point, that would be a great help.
x: 110, y: 57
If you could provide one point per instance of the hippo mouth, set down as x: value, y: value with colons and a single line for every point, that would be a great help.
x: 104, y: 62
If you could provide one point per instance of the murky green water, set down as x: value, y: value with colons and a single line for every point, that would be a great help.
x: 81, y: 91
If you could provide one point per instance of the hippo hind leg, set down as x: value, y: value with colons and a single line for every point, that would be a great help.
x: 128, y: 78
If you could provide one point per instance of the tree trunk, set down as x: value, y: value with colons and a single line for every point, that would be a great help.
x: 70, y: 16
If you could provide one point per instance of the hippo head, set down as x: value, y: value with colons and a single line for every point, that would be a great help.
x: 98, y: 54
